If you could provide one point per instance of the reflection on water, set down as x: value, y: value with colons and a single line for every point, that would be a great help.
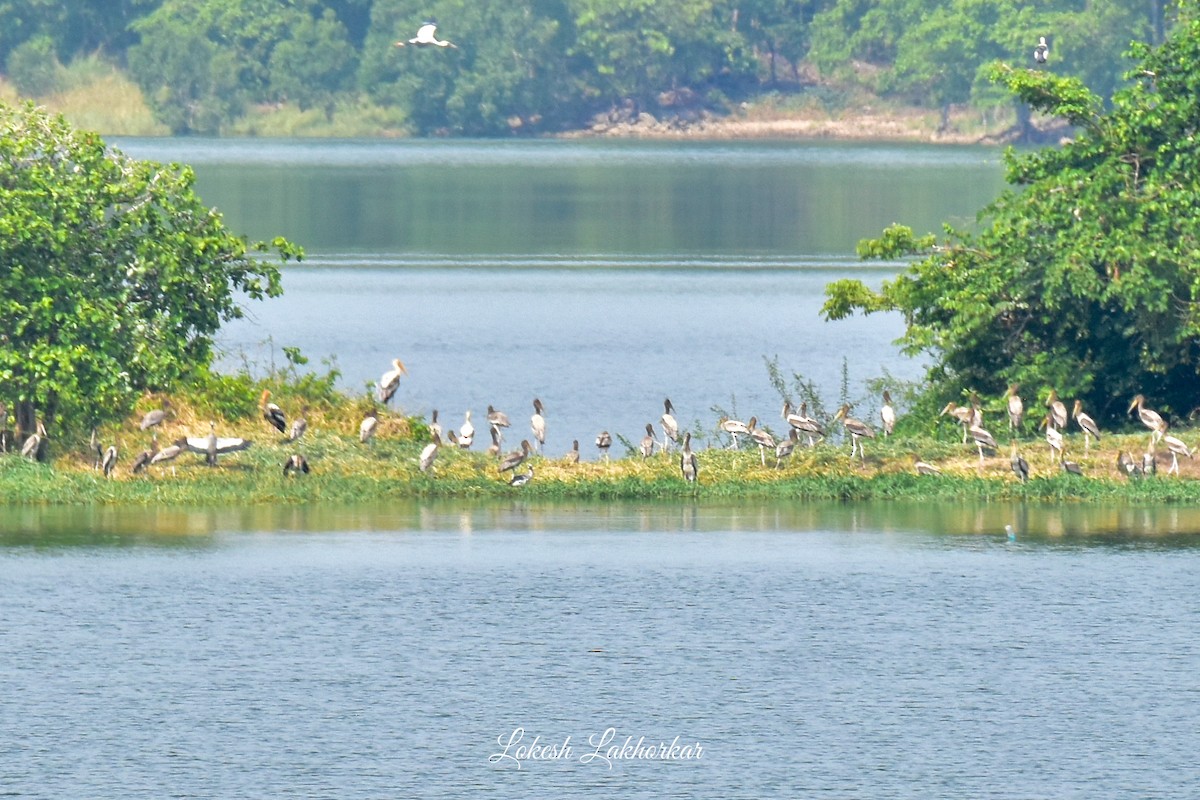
x: 950, y: 524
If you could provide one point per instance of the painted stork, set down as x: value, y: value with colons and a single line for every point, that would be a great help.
x: 299, y: 425
x: 733, y: 427
x: 858, y: 431
x: 169, y: 453
x: 603, y: 442
x: 34, y: 442
x: 1058, y: 410
x: 466, y: 432
x: 109, y: 462
x: 367, y: 428
x: 962, y: 414
x: 1149, y: 418
x: 1177, y: 448
x: 762, y: 438
x: 389, y: 381
x: 537, y: 424
x: 272, y: 413
x: 514, y: 459
x: 669, y: 425
x: 785, y: 448
x: 1016, y: 408
x: 296, y: 463
x: 648, y: 441
x: 887, y: 414
x: 155, y: 416
x: 803, y: 423
x: 146, y: 456
x: 924, y: 467
x: 1054, y: 438
x: 428, y: 454
x: 687, y: 460
x: 983, y: 440
x: 1020, y: 466
x: 497, y: 420
x: 1086, y: 424
x: 1127, y: 466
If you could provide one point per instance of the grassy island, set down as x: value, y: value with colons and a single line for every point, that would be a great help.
x: 346, y: 470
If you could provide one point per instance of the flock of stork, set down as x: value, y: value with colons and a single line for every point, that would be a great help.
x: 801, y: 426
x: 1055, y: 424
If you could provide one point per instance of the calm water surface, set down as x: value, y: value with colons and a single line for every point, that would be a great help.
x: 380, y: 652
x: 810, y: 651
x: 600, y: 277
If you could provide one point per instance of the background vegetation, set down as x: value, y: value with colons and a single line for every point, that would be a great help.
x: 1086, y: 277
x: 529, y: 66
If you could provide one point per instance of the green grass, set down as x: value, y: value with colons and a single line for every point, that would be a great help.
x: 347, y: 471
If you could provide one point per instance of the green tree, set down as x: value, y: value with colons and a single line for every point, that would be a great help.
x: 507, y: 72
x: 1086, y: 277
x: 34, y: 68
x: 200, y: 62
x: 777, y: 30
x: 637, y: 50
x: 114, y: 276
x: 314, y: 64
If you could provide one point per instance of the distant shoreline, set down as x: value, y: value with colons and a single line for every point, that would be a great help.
x: 863, y: 126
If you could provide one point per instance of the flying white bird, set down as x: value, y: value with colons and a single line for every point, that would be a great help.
x: 427, y: 35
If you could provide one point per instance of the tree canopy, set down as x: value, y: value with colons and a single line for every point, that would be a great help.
x: 1085, y: 276
x: 536, y: 65
x: 114, y: 276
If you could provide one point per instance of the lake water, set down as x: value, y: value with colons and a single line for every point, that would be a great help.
x: 599, y: 277
x: 791, y: 650
x: 817, y: 650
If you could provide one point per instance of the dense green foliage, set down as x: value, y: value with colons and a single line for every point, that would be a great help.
x: 1087, y: 277
x: 113, y: 275
x: 536, y: 65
